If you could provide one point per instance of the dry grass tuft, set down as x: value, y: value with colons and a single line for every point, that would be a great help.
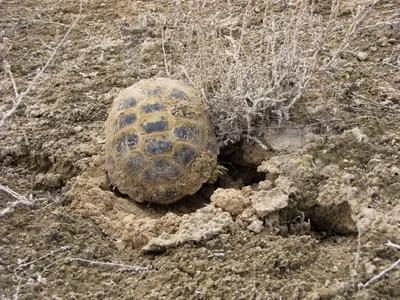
x: 253, y: 60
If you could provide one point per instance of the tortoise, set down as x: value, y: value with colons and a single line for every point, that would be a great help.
x: 160, y: 142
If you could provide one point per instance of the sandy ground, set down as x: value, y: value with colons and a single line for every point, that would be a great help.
x: 308, y: 219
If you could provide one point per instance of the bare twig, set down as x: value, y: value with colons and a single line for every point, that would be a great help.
x: 21, y: 200
x: 110, y: 264
x: 46, y: 45
x: 259, y: 142
x: 359, y: 18
x: 392, y: 65
x: 15, y: 296
x: 391, y: 245
x: 8, y: 70
x: 51, y: 253
x: 387, y: 270
x: 217, y: 255
x: 357, y: 257
x: 20, y: 98
x: 50, y: 21
x: 163, y: 49
x: 381, y: 274
x: 387, y: 22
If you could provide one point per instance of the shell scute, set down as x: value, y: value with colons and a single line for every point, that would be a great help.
x: 184, y: 154
x: 186, y: 132
x: 124, y: 121
x: 127, y: 103
x: 152, y: 107
x: 161, y: 171
x: 135, y: 164
x: 157, y: 145
x: 179, y: 95
x: 125, y: 142
x: 163, y: 195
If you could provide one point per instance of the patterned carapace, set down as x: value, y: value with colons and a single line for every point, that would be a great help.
x: 160, y: 144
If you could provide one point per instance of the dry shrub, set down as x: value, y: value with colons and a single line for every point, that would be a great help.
x: 253, y: 60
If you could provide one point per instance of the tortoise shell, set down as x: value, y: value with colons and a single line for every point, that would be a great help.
x: 160, y: 143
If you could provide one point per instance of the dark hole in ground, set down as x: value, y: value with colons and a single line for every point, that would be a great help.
x: 239, y: 173
x: 117, y: 193
x: 239, y: 170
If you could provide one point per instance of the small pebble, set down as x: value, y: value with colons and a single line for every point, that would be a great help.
x: 8, y: 160
x: 256, y: 226
x: 383, y: 41
x: 362, y: 55
x: 51, y: 180
x: 98, y: 160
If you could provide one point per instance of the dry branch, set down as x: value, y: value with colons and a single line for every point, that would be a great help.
x: 21, y: 97
x: 21, y: 200
x: 387, y: 22
x: 381, y: 274
x: 51, y: 253
x: 391, y: 245
x: 15, y: 296
x: 357, y: 257
x: 8, y: 70
x: 109, y: 264
x: 164, y: 54
x: 386, y: 271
